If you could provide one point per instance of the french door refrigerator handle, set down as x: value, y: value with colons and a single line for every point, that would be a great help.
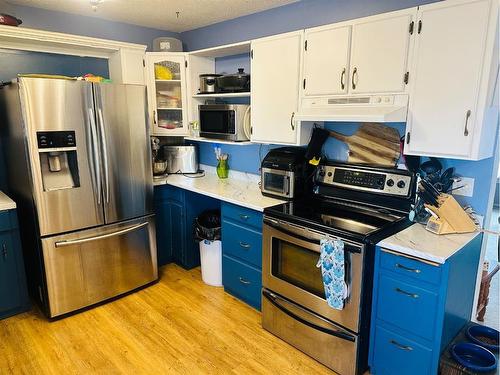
x: 102, y: 236
x: 95, y: 154
x: 337, y: 333
x: 104, y: 153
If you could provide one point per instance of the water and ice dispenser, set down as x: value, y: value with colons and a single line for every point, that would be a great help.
x: 58, y: 160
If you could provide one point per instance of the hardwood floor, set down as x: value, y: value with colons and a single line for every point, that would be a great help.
x: 178, y: 326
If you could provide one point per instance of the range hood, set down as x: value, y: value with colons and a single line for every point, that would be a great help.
x: 379, y: 108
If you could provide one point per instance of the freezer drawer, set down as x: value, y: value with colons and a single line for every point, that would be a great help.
x: 93, y: 265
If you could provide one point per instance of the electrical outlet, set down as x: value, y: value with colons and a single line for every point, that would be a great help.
x: 463, y: 187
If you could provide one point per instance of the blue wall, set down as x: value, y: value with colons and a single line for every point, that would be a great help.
x: 304, y: 14
x: 296, y: 16
x: 82, y: 25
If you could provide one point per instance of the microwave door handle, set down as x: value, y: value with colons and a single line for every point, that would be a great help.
x: 287, y: 185
x: 273, y: 298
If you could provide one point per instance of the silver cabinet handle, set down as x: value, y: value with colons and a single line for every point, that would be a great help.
x: 243, y: 281
x: 402, y: 347
x: 244, y: 217
x: 342, y: 75
x: 416, y: 270
x: 412, y: 295
x: 354, y: 73
x: 4, y: 251
x: 292, y: 125
x: 467, y: 116
x: 102, y: 236
x: 95, y: 151
x: 104, y: 152
x: 244, y: 245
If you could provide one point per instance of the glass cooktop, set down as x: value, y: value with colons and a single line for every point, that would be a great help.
x: 345, y: 217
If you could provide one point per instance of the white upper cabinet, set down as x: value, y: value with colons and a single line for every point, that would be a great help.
x: 452, y: 110
x: 379, y: 52
x: 275, y: 67
x: 167, y: 99
x: 326, y: 60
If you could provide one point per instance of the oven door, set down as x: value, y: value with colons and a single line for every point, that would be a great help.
x: 277, y: 182
x: 217, y: 121
x: 289, y: 257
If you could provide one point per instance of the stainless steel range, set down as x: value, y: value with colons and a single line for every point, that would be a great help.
x: 357, y: 204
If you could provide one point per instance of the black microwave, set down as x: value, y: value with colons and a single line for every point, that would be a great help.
x: 225, y: 121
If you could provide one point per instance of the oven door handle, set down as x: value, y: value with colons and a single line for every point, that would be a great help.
x: 273, y: 298
x: 275, y: 224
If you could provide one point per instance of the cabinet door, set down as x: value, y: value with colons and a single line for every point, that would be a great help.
x: 275, y: 88
x: 326, y: 61
x: 379, y: 54
x: 9, y: 281
x: 178, y: 230
x: 446, y: 74
x: 163, y: 232
x: 167, y: 94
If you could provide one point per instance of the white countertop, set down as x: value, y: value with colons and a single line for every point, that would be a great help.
x: 418, y: 242
x: 240, y: 188
x: 6, y: 203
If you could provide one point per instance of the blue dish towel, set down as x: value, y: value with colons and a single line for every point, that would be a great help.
x: 331, y: 262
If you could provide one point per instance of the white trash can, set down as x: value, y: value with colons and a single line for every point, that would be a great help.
x: 211, y: 262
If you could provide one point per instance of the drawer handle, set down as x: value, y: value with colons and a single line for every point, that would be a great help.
x: 416, y: 270
x: 245, y: 245
x: 412, y: 295
x: 244, y: 217
x: 402, y: 347
x: 243, y: 281
x: 4, y: 251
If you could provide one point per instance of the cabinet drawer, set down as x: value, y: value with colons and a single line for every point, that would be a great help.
x: 396, y: 355
x: 242, y: 215
x: 242, y: 281
x: 407, y: 306
x: 163, y: 192
x: 242, y: 243
x: 410, y: 267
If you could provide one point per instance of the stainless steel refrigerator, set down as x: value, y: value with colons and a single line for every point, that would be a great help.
x: 79, y: 167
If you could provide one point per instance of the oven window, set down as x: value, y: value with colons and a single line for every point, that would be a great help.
x: 274, y: 182
x: 297, y: 265
x: 215, y: 121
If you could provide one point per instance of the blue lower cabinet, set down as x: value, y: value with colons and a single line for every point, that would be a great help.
x: 242, y: 281
x: 176, y: 209
x: 13, y: 290
x: 418, y: 308
x: 242, y: 253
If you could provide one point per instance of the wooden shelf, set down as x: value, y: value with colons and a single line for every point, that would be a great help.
x: 224, y: 95
x: 168, y: 80
x: 169, y: 108
x: 220, y: 141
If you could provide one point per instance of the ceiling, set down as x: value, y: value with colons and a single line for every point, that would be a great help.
x: 160, y: 14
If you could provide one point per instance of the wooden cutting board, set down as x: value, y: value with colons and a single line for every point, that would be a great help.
x: 372, y: 143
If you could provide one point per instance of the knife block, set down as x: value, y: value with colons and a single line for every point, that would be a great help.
x: 451, y: 217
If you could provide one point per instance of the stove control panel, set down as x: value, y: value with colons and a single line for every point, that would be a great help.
x: 357, y: 178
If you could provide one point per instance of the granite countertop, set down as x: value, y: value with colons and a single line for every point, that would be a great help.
x: 240, y: 188
x: 6, y: 203
x: 418, y: 242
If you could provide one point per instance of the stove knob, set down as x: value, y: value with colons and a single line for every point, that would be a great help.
x: 390, y: 182
x: 401, y: 184
x: 321, y: 173
x: 329, y: 174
